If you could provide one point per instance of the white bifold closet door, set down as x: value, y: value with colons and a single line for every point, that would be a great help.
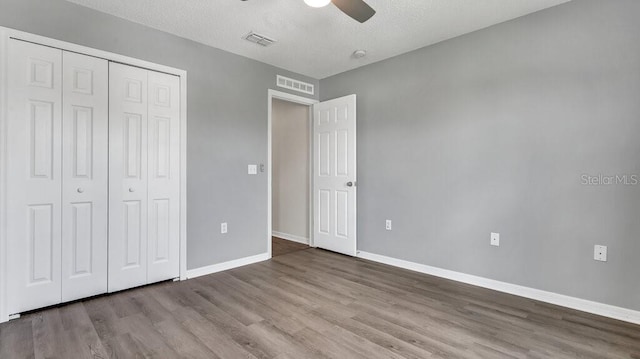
x: 85, y: 154
x: 144, y: 177
x: 56, y: 176
x: 163, y: 254
x: 34, y: 176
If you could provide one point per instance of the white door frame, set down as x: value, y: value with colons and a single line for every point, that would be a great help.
x: 5, y: 35
x: 274, y: 94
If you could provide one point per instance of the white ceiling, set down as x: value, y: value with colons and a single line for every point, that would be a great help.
x: 318, y: 42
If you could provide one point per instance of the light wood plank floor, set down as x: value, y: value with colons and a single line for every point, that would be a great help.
x: 315, y: 304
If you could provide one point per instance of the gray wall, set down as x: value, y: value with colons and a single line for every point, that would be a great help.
x: 290, y: 168
x: 492, y: 131
x: 227, y: 119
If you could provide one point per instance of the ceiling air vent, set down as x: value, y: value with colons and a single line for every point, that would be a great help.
x: 259, y: 39
x: 294, y: 85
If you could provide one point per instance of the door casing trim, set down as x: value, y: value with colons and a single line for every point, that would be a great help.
x: 271, y: 95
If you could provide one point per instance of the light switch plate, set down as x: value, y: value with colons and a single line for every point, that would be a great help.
x: 253, y: 169
x: 600, y: 253
x: 495, y: 239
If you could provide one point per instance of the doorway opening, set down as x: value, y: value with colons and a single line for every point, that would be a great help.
x: 290, y: 173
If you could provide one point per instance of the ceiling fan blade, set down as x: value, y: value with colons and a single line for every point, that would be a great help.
x: 357, y: 9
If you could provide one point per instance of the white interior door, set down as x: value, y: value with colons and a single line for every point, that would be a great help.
x: 164, y: 177
x: 84, y: 175
x: 127, y: 177
x: 34, y: 176
x: 334, y: 185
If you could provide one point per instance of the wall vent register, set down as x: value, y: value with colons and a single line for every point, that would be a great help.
x: 295, y: 85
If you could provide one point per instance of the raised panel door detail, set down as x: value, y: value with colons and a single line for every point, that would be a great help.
x: 324, y: 154
x: 160, y: 230
x: 342, y: 153
x: 42, y: 153
x: 324, y: 117
x: 162, y: 144
x: 133, y: 90
x: 41, y: 73
x: 342, y: 213
x: 324, y: 211
x: 82, y: 141
x: 83, y: 81
x: 41, y: 244
x: 162, y: 95
x: 82, y: 239
x: 342, y: 114
x: 132, y: 149
x: 132, y: 233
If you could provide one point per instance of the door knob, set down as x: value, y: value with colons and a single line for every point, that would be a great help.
x: 349, y: 184
x: 80, y: 190
x: 131, y: 189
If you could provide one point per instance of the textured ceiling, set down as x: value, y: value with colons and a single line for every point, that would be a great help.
x: 318, y: 42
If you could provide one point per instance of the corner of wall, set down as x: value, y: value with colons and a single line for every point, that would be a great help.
x: 215, y: 268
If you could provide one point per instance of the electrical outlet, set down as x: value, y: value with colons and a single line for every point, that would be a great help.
x: 223, y: 227
x: 388, y: 225
x: 495, y: 239
x: 252, y: 169
x: 600, y: 253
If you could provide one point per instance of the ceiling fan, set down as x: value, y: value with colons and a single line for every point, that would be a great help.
x: 357, y: 9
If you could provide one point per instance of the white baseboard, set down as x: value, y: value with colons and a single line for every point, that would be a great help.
x: 198, y: 272
x: 584, y: 305
x: 290, y: 237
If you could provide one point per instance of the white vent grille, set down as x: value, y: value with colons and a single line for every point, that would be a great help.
x: 294, y: 85
x: 259, y: 39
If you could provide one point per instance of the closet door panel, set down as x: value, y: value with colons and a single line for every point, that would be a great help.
x: 85, y: 175
x: 164, y: 177
x: 127, y: 177
x: 33, y: 176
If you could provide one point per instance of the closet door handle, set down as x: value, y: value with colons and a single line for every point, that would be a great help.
x: 131, y: 189
x: 80, y: 190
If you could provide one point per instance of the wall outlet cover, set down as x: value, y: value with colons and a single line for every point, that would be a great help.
x: 600, y: 253
x: 495, y: 239
x: 223, y: 227
x: 252, y: 169
x: 387, y: 225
